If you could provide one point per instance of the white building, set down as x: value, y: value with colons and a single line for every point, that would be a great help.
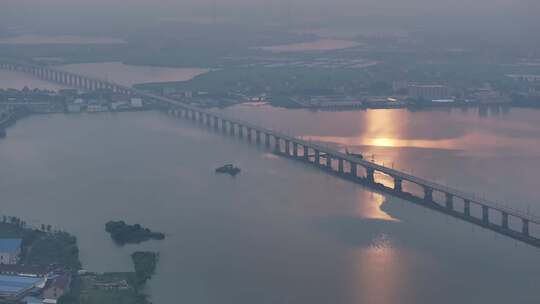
x: 136, y: 102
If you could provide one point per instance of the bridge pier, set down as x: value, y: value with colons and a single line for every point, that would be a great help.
x: 232, y: 128
x: 267, y: 140
x: 258, y: 137
x: 370, y: 175
x: 295, y: 149
x: 224, y: 126
x: 306, y: 152
x: 328, y: 161
x: 201, y: 118
x: 467, y: 207
x: 525, y: 228
x: 241, y: 131
x: 354, y: 169
x: 287, y: 147
x: 504, y: 220
x: 317, y: 157
x: 398, y: 184
x: 277, y: 144
x: 485, y: 214
x: 249, y: 131
x: 216, y: 122
x: 428, y: 194
x: 449, y: 201
x: 340, y: 166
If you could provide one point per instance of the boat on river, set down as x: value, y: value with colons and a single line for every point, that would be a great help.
x: 228, y: 169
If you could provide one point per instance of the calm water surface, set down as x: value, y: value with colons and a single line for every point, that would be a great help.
x: 282, y: 232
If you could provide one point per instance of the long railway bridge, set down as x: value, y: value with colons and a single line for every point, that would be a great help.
x: 510, y: 222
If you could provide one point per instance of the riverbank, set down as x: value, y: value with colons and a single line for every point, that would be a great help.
x: 51, y: 256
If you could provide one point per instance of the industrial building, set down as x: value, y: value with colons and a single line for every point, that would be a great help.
x: 14, y: 288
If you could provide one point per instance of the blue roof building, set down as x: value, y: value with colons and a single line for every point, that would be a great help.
x: 10, y: 250
x: 15, y: 287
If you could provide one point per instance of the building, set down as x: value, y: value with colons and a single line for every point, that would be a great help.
x: 136, y: 102
x: 525, y: 77
x: 56, y: 288
x: 25, y: 270
x: 14, y: 288
x: 10, y: 249
x: 429, y: 91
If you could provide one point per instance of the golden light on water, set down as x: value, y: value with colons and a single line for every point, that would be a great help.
x: 369, y: 206
x: 379, y: 272
x: 383, y: 142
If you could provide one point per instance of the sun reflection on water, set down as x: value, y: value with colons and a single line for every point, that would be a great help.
x: 369, y: 206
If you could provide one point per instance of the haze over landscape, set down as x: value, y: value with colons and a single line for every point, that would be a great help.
x: 269, y: 151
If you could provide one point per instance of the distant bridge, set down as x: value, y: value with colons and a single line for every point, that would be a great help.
x: 333, y: 161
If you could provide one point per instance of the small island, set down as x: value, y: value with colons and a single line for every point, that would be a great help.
x: 123, y: 233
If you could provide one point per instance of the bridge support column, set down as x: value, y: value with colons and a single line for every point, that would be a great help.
x: 249, y: 131
x: 354, y: 172
x: 288, y: 147
x: 449, y: 201
x: 201, y: 118
x: 370, y: 175
x: 340, y: 166
x: 428, y: 194
x: 306, y: 152
x: 504, y: 220
x: 267, y: 140
x: 232, y: 128
x: 216, y: 123
x: 258, y: 137
x: 328, y: 161
x: 467, y: 207
x: 485, y: 214
x: 398, y: 184
x: 208, y: 120
x: 224, y: 126
x: 525, y: 228
x: 277, y: 144
x: 317, y: 157
x: 241, y: 131
x: 295, y: 149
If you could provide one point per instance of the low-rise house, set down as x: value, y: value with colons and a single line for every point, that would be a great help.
x: 10, y: 249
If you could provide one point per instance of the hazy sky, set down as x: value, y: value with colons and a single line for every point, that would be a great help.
x: 475, y: 13
x: 314, y: 8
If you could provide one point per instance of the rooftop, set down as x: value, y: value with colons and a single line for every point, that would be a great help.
x: 10, y: 245
x: 13, y: 285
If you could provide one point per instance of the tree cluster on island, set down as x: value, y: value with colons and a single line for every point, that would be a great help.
x: 123, y: 233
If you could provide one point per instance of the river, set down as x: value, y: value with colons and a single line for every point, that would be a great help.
x: 281, y: 231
